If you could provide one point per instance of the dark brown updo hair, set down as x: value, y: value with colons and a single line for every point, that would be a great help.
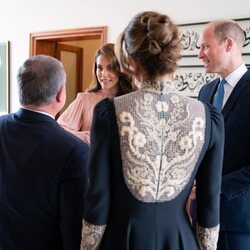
x: 152, y: 40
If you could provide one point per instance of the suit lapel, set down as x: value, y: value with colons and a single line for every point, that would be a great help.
x: 238, y: 89
x: 207, y: 93
x: 213, y: 88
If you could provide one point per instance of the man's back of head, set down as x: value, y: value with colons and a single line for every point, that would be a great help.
x: 41, y: 81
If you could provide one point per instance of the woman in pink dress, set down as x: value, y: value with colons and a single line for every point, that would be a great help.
x: 108, y: 82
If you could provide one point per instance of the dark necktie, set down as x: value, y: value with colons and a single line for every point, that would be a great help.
x: 218, y: 98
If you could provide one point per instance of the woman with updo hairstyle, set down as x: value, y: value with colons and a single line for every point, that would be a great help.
x: 147, y: 147
x: 153, y: 41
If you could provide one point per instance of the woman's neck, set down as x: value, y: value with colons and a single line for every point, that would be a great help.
x: 111, y: 92
x: 166, y: 78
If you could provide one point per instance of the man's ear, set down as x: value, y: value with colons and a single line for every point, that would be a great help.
x: 60, y: 96
x: 229, y: 44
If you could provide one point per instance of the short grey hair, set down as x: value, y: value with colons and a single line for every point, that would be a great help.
x: 39, y: 79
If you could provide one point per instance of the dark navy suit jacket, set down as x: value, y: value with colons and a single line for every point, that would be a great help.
x: 235, y: 198
x: 42, y: 182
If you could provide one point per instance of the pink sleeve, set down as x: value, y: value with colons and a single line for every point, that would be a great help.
x: 72, y: 118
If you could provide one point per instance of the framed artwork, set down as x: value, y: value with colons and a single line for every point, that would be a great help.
x: 190, y: 34
x: 4, y: 77
x: 191, y: 75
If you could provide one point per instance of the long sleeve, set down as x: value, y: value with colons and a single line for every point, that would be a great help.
x: 71, y: 196
x: 72, y: 118
x: 98, y: 190
x: 77, y: 118
x: 208, y: 183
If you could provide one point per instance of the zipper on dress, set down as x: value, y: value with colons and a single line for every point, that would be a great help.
x: 162, y: 115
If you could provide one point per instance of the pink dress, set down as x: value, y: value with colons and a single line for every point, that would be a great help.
x: 77, y: 118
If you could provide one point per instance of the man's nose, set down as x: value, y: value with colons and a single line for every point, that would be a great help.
x: 200, y: 54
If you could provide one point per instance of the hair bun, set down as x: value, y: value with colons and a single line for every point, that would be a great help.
x: 154, y: 47
x: 153, y: 40
x: 144, y: 21
x: 163, y: 19
x: 149, y: 24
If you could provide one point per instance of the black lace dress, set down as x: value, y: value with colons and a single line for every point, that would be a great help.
x: 147, y: 148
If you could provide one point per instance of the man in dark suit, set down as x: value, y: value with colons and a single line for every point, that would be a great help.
x: 221, y: 52
x: 42, y: 167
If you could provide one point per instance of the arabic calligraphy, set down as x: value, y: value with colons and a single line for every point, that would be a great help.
x: 190, y: 83
x: 190, y: 40
x: 247, y: 36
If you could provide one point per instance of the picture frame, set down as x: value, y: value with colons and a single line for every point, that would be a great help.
x: 4, y: 77
x: 190, y: 34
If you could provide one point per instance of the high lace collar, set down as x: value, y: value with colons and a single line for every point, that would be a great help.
x: 157, y: 86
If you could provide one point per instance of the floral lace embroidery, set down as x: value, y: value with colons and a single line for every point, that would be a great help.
x: 91, y: 236
x: 162, y: 135
x: 207, y: 237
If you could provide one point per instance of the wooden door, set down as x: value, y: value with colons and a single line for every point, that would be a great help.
x: 72, y: 60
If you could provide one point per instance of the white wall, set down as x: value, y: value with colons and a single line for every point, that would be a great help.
x: 19, y: 18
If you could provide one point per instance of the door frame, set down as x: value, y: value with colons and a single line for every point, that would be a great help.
x: 39, y: 39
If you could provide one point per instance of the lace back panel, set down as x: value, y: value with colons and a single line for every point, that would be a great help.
x: 161, y: 135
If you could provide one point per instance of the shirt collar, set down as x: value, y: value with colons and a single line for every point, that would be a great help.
x: 236, y: 75
x: 41, y: 112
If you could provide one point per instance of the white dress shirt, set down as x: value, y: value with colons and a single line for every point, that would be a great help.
x: 232, y: 79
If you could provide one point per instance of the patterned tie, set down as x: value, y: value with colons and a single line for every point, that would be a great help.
x: 218, y: 98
